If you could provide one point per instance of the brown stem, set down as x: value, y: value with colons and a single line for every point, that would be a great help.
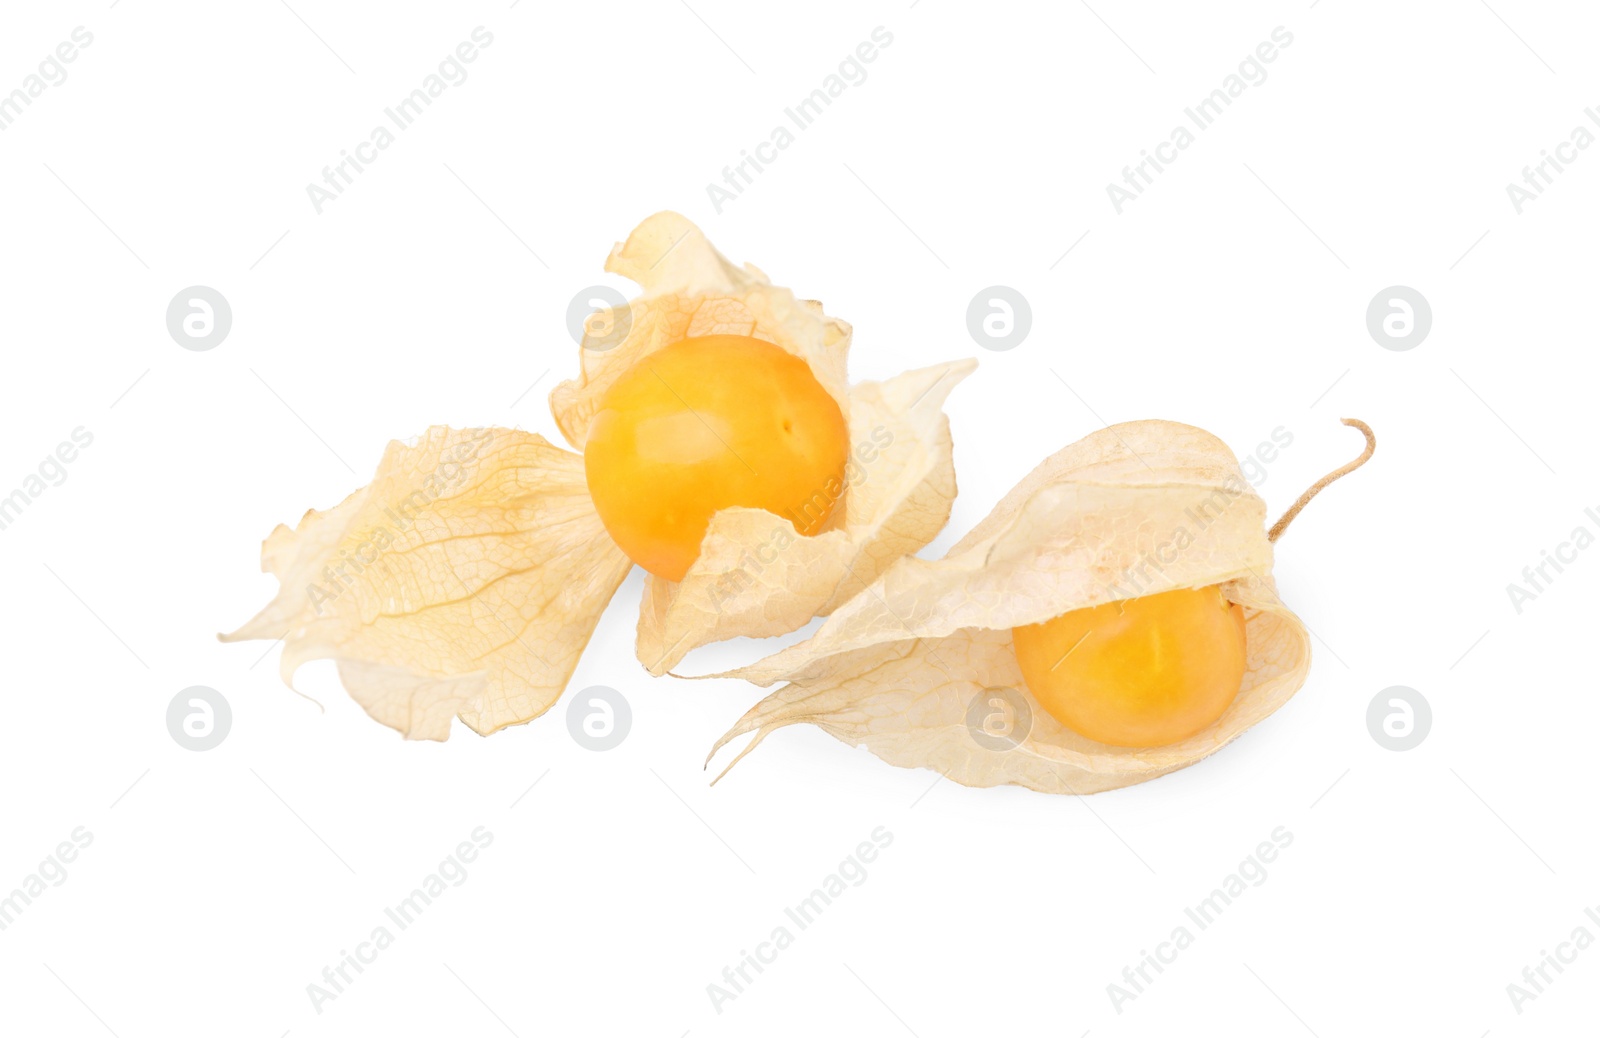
x: 1314, y: 489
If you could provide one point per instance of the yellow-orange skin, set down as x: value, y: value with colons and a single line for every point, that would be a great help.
x: 1141, y: 672
x: 706, y: 424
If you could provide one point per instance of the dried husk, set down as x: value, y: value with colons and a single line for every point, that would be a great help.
x: 465, y: 580
x: 494, y: 568
x: 1131, y: 510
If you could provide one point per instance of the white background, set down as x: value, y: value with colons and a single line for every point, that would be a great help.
x: 1231, y: 295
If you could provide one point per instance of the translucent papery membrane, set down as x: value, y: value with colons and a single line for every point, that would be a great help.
x: 465, y: 580
x: 916, y: 667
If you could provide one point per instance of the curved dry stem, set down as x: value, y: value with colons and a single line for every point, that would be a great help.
x: 1316, y: 488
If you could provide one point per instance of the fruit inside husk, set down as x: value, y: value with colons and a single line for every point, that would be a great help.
x: 923, y: 670
x: 466, y: 578
x: 755, y: 571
